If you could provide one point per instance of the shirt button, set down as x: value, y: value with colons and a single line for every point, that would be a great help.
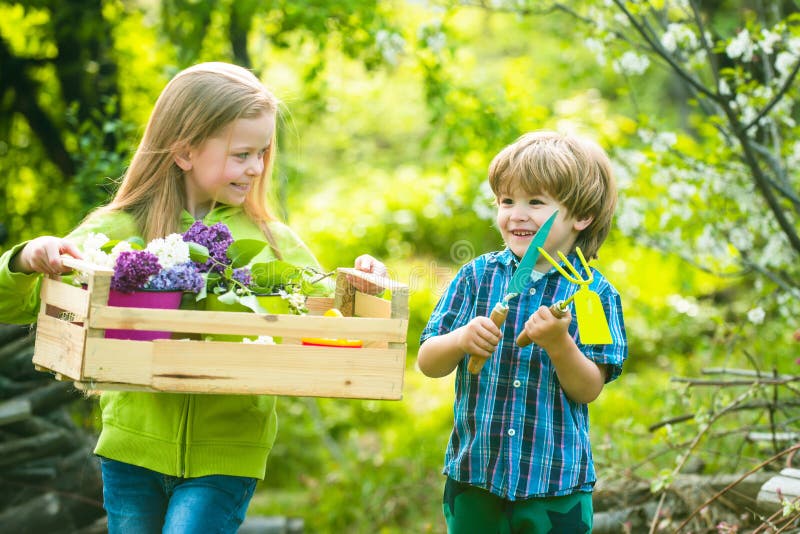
x: 517, y: 383
x: 532, y: 291
x: 511, y: 432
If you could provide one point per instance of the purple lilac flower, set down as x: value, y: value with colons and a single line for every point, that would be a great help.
x: 243, y: 276
x: 216, y: 238
x: 133, y: 269
x: 182, y: 277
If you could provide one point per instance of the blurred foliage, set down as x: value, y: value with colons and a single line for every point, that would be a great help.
x: 391, y: 114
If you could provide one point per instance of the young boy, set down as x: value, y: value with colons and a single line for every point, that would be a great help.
x: 519, y: 458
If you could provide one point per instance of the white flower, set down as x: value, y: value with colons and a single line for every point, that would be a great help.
x: 724, y: 88
x: 260, y: 340
x: 794, y: 46
x: 784, y: 63
x: 631, y: 63
x: 756, y: 315
x: 296, y: 300
x: 92, y: 252
x: 741, y: 238
x: 664, y: 141
x: 122, y: 246
x: 95, y: 241
x: 598, y: 48
x: 390, y: 44
x: 768, y: 40
x: 683, y: 305
x: 170, y: 251
x: 740, y: 46
x: 629, y: 219
x: 678, y: 35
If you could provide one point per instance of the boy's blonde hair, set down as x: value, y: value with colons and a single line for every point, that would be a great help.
x: 198, y: 103
x: 574, y: 171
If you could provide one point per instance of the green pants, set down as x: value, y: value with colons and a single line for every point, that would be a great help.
x: 471, y: 510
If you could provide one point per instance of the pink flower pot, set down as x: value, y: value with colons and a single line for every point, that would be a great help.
x: 165, y: 300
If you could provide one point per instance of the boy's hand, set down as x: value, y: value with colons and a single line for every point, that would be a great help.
x: 479, y: 337
x: 43, y: 255
x: 547, y: 330
x: 368, y: 264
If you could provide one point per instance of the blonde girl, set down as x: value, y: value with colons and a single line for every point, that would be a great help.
x: 179, y: 462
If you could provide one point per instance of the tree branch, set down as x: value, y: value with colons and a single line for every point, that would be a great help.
x: 24, y: 89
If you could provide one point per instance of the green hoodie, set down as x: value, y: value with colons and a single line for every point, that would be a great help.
x: 181, y: 435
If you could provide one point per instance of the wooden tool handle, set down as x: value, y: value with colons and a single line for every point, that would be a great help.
x: 558, y: 312
x: 498, y: 317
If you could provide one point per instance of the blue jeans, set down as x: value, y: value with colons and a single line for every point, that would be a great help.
x: 141, y: 501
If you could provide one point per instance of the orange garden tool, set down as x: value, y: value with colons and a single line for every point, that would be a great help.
x: 517, y: 285
x: 592, y: 323
x: 326, y: 342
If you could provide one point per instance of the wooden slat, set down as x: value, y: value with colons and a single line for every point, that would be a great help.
x: 400, y: 303
x: 199, y: 367
x: 119, y: 360
x: 274, y: 369
x: 96, y: 388
x: 242, y: 323
x: 380, y: 281
x: 86, y: 267
x: 65, y: 296
x: 59, y: 346
x: 372, y: 306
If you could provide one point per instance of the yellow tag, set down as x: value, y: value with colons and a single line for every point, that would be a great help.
x: 592, y: 323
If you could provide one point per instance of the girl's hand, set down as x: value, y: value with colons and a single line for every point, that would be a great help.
x: 547, y: 330
x: 479, y: 337
x: 367, y: 264
x: 43, y: 255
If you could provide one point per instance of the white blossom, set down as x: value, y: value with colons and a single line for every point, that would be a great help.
x: 793, y: 45
x: 678, y: 36
x: 741, y: 238
x: 683, y: 305
x: 596, y: 47
x: 92, y: 253
x: 631, y: 63
x: 260, y: 340
x: 663, y: 141
x: 390, y: 44
x: 724, y: 88
x: 296, y: 300
x: 94, y: 241
x: 122, y: 246
x: 740, y: 46
x: 784, y: 63
x: 756, y: 315
x: 768, y: 40
x: 630, y: 216
x: 170, y: 251
x: 681, y: 191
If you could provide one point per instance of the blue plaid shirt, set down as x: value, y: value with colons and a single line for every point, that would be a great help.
x: 516, y: 434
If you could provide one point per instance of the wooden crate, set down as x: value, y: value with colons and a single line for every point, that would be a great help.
x: 70, y: 342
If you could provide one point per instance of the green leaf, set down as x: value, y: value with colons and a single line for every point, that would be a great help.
x: 197, y: 252
x: 136, y: 242
x: 229, y: 298
x: 269, y: 274
x: 251, y: 301
x: 242, y: 251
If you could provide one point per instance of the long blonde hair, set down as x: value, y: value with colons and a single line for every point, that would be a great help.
x: 195, y: 105
x: 574, y: 171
